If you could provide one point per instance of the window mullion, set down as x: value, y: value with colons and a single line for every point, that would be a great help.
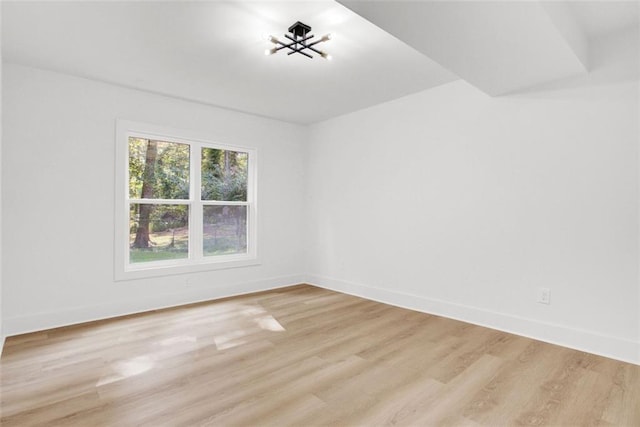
x: 159, y: 201
x: 227, y: 224
x: 196, y: 227
x: 223, y: 203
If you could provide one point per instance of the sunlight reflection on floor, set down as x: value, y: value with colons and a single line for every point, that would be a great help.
x: 126, y: 369
x: 253, y: 319
x: 268, y: 323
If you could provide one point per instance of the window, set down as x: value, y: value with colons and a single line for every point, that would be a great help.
x: 183, y: 203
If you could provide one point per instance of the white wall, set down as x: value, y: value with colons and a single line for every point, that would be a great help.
x: 453, y: 202
x: 446, y: 201
x: 1, y: 327
x: 58, y: 178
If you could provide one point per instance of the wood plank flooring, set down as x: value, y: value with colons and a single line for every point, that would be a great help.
x: 305, y: 356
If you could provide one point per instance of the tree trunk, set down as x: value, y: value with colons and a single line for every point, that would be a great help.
x: 227, y: 164
x: 142, y: 240
x: 173, y: 238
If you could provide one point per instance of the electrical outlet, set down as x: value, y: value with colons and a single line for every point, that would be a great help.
x: 544, y: 295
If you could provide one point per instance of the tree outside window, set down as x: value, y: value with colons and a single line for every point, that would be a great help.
x: 187, y: 201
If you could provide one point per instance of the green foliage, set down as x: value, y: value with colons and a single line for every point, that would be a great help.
x: 172, y: 172
x: 225, y: 230
x: 141, y: 255
x: 137, y: 151
x: 171, y: 177
x: 224, y: 175
x: 163, y: 228
x: 169, y: 240
x: 163, y: 217
x: 224, y: 172
x: 168, y: 217
x: 222, y: 246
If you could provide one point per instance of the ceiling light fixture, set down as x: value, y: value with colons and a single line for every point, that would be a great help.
x: 298, y: 43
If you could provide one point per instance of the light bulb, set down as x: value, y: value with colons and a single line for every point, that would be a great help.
x: 326, y: 56
x: 267, y: 52
x: 273, y: 39
x: 326, y: 37
x: 271, y: 51
x: 329, y: 57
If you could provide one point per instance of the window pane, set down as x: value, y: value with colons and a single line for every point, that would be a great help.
x: 158, y: 232
x: 158, y: 169
x: 224, y: 175
x: 225, y: 230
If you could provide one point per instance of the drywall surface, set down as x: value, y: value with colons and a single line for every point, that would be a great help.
x: 58, y: 197
x: 447, y: 201
x: 1, y: 325
x: 453, y: 202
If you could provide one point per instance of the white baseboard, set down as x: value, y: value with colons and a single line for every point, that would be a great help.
x: 583, y: 340
x: 42, y: 321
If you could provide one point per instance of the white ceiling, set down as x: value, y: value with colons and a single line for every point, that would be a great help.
x: 501, y: 46
x: 599, y: 18
x: 213, y: 51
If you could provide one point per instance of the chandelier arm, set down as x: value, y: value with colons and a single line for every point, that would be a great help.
x: 315, y: 42
x: 319, y: 52
x: 283, y: 45
x: 300, y: 52
x: 301, y: 41
x: 292, y: 49
x: 298, y: 41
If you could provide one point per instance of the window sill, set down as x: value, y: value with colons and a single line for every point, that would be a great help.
x: 159, y: 270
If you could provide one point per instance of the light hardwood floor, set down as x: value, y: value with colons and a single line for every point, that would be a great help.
x: 305, y: 356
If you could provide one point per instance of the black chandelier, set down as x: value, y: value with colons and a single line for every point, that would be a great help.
x: 298, y: 43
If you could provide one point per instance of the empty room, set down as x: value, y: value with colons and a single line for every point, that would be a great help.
x: 320, y: 213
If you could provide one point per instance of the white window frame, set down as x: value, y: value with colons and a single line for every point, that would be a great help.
x: 124, y: 270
